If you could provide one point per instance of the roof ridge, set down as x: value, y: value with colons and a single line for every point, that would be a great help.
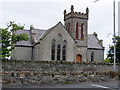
x: 40, y: 29
x: 47, y: 31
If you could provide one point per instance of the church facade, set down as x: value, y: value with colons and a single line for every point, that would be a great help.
x: 68, y: 42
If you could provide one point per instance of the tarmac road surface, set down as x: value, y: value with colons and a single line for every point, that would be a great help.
x: 109, y: 85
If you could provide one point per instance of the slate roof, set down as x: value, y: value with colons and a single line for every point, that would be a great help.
x: 93, y: 42
x: 24, y: 43
x: 50, y: 29
x: 39, y: 33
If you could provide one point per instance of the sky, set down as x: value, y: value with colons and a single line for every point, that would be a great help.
x: 43, y: 14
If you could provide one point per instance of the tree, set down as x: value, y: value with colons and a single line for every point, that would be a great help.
x: 110, y: 54
x: 9, y: 38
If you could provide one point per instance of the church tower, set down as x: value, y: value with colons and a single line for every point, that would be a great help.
x: 76, y: 24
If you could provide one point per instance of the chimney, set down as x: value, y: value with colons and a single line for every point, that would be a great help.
x: 101, y: 42
x: 95, y: 34
x: 32, y: 30
x: 31, y: 27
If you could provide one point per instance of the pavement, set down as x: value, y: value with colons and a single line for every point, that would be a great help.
x: 109, y: 85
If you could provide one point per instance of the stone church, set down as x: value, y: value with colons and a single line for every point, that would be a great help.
x: 68, y: 42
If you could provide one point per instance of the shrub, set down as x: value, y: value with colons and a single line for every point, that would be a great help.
x: 67, y: 82
x: 64, y: 73
x: 107, y: 60
x: 85, y: 74
x: 113, y: 74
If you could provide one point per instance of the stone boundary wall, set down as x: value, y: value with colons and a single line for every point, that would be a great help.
x: 16, y: 73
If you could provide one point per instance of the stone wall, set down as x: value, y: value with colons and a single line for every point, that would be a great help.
x: 98, y: 55
x: 46, y: 42
x: 20, y: 72
x: 22, y: 53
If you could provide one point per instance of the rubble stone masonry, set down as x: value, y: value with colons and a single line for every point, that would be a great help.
x: 16, y: 73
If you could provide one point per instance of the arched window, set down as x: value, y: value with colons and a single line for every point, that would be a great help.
x: 64, y: 50
x: 77, y: 30
x: 53, y: 50
x: 92, y: 56
x: 59, y: 38
x: 82, y: 36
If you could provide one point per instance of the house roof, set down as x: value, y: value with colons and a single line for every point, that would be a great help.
x: 50, y: 29
x: 39, y: 33
x: 93, y: 42
x: 24, y: 43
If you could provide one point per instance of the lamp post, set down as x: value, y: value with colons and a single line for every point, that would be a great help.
x: 114, y: 41
x: 114, y: 36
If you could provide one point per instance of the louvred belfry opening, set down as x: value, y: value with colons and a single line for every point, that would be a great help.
x: 77, y: 30
x: 82, y: 36
x: 68, y: 27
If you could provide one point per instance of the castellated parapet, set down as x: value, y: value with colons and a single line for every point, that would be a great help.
x: 73, y: 14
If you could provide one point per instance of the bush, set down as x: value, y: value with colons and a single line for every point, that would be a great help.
x: 107, y: 60
x: 85, y: 74
x: 64, y: 73
x: 113, y: 74
x: 67, y: 82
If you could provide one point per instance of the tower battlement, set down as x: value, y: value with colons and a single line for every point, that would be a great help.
x: 73, y: 14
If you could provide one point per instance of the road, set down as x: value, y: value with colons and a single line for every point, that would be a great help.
x: 110, y: 85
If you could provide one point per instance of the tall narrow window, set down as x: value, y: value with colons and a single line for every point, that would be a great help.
x: 53, y: 50
x: 65, y: 26
x: 92, y: 56
x: 68, y: 27
x: 82, y: 36
x: 59, y: 37
x: 64, y: 50
x: 77, y: 30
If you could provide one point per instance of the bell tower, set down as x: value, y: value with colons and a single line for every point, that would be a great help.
x: 76, y: 23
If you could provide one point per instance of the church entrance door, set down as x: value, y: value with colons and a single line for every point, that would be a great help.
x: 79, y: 58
